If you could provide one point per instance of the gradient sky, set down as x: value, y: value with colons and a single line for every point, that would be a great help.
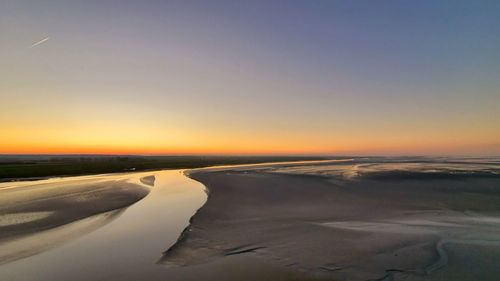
x: 336, y: 77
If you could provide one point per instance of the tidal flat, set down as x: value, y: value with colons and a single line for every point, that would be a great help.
x: 353, y: 219
x: 370, y: 218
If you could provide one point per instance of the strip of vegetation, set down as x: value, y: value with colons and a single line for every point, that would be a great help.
x: 13, y: 167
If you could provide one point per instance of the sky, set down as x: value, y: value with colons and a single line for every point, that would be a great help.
x: 250, y: 77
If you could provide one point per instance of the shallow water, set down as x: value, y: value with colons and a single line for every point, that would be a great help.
x: 128, y: 247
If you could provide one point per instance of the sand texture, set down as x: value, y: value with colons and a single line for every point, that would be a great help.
x: 351, y: 220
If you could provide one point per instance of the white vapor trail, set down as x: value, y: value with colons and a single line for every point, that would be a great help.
x: 40, y: 42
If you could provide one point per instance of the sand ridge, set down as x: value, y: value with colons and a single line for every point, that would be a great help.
x: 32, y: 210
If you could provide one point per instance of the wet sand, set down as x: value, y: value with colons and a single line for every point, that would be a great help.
x: 352, y: 219
x: 128, y: 246
x: 35, y: 216
x: 362, y: 223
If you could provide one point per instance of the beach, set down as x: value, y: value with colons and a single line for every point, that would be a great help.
x: 346, y: 219
x: 351, y: 220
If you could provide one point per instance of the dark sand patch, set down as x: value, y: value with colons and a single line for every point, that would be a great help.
x: 235, y: 268
x: 149, y: 180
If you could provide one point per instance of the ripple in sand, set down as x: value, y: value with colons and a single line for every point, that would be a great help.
x: 20, y: 218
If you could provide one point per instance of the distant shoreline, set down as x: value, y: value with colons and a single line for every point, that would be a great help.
x: 22, y: 169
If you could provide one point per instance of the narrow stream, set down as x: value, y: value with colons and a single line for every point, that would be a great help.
x: 128, y: 247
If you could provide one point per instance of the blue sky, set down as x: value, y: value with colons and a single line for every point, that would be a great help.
x: 382, y: 77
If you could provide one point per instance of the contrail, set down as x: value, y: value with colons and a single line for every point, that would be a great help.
x: 40, y: 42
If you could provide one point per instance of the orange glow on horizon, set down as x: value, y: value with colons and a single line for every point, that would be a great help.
x: 208, y: 80
x: 255, y: 148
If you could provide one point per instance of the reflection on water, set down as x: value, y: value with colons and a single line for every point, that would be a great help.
x: 126, y: 248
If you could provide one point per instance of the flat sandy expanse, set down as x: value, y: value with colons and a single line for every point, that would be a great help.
x: 349, y: 222
x: 36, y: 215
